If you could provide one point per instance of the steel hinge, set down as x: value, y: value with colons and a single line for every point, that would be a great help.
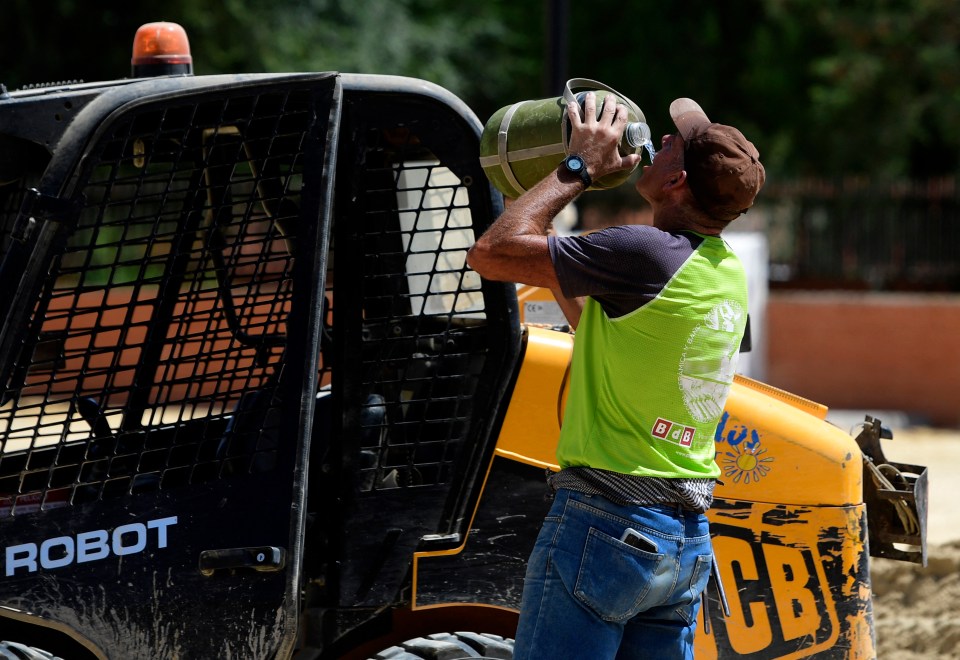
x: 38, y: 207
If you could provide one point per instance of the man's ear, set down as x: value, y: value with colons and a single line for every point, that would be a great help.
x: 676, y: 180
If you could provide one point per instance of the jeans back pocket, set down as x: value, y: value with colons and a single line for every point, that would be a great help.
x: 617, y: 581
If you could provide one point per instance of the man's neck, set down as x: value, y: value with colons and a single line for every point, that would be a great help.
x: 680, y: 217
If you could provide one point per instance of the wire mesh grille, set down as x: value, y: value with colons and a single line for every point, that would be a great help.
x: 157, y: 343
x: 424, y: 335
x: 157, y: 346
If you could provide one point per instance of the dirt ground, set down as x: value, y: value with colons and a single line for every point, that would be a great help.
x: 916, y: 609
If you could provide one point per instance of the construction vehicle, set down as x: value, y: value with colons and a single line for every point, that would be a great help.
x: 256, y: 405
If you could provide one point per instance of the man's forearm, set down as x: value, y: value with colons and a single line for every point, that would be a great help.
x: 514, y: 248
x: 532, y: 213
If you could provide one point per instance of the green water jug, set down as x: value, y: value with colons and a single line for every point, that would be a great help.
x: 522, y: 143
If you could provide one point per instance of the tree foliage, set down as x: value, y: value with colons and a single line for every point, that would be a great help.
x: 826, y: 87
x: 887, y: 90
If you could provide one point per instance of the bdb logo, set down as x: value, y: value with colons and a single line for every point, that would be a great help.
x: 676, y: 433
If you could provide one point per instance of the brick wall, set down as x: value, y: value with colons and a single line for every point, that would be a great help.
x: 868, y: 351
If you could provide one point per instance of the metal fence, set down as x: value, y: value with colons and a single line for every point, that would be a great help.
x: 851, y: 233
x: 856, y: 233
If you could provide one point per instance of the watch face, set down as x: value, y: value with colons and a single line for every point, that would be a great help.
x: 575, y: 163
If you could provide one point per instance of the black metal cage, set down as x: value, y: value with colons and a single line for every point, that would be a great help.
x: 177, y: 359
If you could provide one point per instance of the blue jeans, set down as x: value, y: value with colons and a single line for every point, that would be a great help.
x: 588, y: 595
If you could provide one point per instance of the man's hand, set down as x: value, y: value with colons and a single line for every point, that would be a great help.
x: 595, y: 139
x: 515, y: 248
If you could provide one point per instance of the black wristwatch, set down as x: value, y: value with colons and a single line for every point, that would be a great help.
x: 578, y: 166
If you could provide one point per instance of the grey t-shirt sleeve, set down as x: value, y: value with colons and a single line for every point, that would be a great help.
x: 621, y: 267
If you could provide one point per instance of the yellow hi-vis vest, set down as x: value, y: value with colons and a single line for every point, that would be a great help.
x: 648, y: 388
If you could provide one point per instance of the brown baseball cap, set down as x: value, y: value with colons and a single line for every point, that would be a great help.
x: 724, y: 171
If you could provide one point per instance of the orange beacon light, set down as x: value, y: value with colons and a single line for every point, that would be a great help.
x: 161, y: 49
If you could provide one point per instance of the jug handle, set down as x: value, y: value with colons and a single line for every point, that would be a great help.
x: 587, y: 83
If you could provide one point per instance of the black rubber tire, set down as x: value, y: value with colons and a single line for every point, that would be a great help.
x: 15, y: 651
x: 447, y: 646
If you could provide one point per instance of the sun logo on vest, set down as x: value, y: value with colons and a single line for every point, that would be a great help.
x: 709, y: 360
